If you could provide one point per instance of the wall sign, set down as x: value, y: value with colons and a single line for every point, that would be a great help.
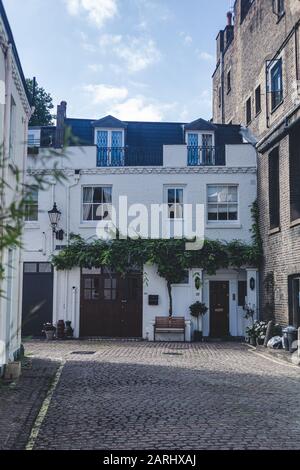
x: 152, y: 299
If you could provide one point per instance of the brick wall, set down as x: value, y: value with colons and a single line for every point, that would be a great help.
x: 258, y: 39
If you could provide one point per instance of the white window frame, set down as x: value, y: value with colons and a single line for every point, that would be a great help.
x: 223, y: 222
x: 96, y: 221
x: 33, y: 221
x: 109, y: 131
x: 200, y: 137
x: 166, y: 201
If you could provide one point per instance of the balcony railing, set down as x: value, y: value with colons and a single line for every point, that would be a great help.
x: 201, y: 156
x: 110, y: 156
x: 129, y: 156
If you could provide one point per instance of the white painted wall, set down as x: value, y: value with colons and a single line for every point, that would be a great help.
x: 146, y: 186
x: 10, y: 302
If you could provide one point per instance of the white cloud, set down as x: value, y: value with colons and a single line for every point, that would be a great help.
x: 102, y: 93
x: 108, y: 40
x: 95, y: 67
x: 205, y: 56
x: 98, y: 11
x: 138, y: 54
x: 187, y: 39
x: 85, y: 44
x: 138, y: 109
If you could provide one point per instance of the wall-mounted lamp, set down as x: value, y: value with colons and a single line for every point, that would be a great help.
x: 54, y: 216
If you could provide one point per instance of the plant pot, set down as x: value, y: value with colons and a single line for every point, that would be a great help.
x: 49, y: 335
x: 197, y: 336
x: 252, y: 341
x: 260, y: 341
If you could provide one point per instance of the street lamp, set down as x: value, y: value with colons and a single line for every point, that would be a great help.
x: 54, y: 216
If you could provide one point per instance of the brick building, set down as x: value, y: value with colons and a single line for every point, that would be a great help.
x: 256, y: 84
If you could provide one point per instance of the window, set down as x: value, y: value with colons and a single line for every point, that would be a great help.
x: 175, y: 203
x: 278, y: 8
x: 200, y: 149
x: 258, y: 100
x: 276, y: 84
x: 12, y: 135
x: 274, y: 193
x: 110, y: 145
x: 294, y: 152
x: 294, y: 300
x: 229, y: 81
x: 33, y: 268
x: 248, y: 111
x: 220, y: 97
x: 96, y: 203
x: 242, y: 293
x: 32, y: 206
x: 222, y: 203
x: 185, y: 279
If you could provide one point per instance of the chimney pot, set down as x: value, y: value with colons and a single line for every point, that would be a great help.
x: 229, y: 18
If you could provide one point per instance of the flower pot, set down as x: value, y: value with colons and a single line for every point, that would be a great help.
x: 197, y: 336
x: 252, y: 340
x: 49, y: 335
x: 260, y: 341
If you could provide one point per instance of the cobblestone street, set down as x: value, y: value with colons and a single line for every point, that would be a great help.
x: 131, y: 395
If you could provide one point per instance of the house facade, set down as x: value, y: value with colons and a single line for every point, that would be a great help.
x: 256, y: 84
x: 14, y: 116
x: 149, y: 164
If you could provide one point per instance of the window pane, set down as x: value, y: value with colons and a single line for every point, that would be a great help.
x: 107, y: 195
x: 222, y: 194
x: 179, y: 211
x: 171, y: 210
x: 87, y: 294
x: 232, y: 212
x: 222, y: 212
x: 30, y: 267
x: 98, y: 194
x: 212, y: 212
x: 107, y: 294
x: 179, y: 196
x: 212, y: 194
x: 45, y: 268
x: 87, y: 194
x: 171, y: 196
x: 88, y: 283
x: 232, y: 194
x: 87, y: 212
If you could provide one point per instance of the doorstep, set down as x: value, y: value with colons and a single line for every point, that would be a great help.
x: 275, y: 353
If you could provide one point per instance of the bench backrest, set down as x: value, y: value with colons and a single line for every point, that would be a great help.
x: 169, y: 322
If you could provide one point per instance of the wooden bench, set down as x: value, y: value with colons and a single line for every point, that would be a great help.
x: 169, y: 325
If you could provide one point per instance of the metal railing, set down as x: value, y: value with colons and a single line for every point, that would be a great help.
x: 201, y: 156
x: 129, y: 156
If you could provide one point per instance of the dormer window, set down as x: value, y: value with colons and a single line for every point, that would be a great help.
x: 201, y: 150
x: 110, y: 143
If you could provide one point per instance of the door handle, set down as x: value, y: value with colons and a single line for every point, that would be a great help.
x: 124, y: 301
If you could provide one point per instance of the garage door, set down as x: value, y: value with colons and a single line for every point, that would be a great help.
x: 111, y: 305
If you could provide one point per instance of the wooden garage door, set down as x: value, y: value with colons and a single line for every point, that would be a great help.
x: 111, y: 305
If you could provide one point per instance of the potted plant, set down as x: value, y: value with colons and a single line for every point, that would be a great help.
x: 49, y: 330
x: 197, y: 310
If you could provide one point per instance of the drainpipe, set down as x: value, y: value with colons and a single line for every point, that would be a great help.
x: 72, y: 185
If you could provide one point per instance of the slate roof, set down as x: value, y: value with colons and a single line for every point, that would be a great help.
x: 144, y: 140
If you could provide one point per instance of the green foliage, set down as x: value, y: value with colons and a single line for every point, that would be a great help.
x: 197, y: 309
x: 43, y: 105
x: 15, y: 195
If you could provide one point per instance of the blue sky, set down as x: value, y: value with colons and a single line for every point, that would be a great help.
x: 135, y: 59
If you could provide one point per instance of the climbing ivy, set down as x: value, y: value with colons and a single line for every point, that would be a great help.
x: 169, y: 256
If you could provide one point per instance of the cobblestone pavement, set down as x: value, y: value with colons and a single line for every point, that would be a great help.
x: 138, y: 395
x: 20, y: 402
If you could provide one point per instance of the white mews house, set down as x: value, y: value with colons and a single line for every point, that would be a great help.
x: 14, y: 115
x: 149, y: 163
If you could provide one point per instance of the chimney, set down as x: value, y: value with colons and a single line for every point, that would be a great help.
x: 60, y: 124
x: 229, y: 18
